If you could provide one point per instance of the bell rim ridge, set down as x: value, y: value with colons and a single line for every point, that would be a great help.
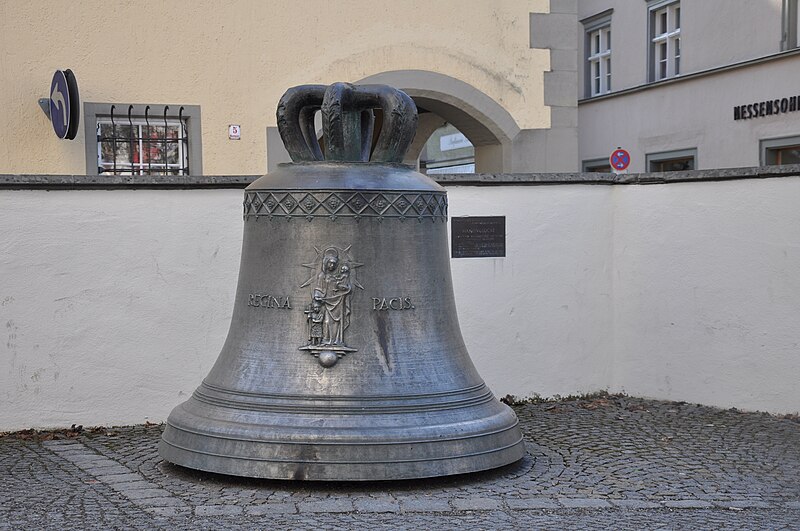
x: 360, y: 459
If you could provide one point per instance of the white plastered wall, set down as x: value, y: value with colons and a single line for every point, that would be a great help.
x: 114, y: 304
x: 539, y: 320
x: 707, y: 293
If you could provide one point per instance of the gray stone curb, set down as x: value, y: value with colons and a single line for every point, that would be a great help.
x: 475, y: 504
x: 688, y: 504
x: 331, y: 505
x: 102, y: 182
x: 635, y: 504
x: 532, y: 503
x: 218, y: 510
x: 424, y: 504
x: 584, y: 503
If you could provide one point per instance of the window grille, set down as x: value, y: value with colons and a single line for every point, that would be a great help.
x: 142, y: 145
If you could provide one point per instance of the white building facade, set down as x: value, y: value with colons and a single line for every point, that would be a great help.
x: 688, y: 84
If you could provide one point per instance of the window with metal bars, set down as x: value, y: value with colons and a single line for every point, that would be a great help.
x: 143, y: 139
x: 142, y: 146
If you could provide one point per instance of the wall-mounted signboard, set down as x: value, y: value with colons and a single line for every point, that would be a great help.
x: 760, y: 109
x: 65, y: 105
x: 478, y: 237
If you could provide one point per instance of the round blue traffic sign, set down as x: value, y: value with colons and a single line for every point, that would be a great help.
x: 64, y: 104
x: 620, y: 159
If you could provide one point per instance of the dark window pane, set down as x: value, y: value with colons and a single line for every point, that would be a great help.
x: 599, y: 169
x: 785, y: 155
x: 677, y: 164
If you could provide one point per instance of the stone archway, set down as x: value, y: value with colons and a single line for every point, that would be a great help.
x: 489, y: 127
x: 440, y: 98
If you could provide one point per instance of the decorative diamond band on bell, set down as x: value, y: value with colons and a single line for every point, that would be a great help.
x: 346, y: 204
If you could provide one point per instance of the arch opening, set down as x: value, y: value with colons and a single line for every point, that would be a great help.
x: 442, y: 100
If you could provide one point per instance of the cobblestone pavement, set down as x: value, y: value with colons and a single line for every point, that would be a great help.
x: 614, y: 462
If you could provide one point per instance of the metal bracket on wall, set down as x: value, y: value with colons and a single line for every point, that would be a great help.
x: 44, y: 103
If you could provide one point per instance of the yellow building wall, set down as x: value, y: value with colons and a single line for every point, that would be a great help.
x: 235, y: 59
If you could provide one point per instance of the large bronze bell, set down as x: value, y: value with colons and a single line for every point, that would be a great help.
x: 344, y: 359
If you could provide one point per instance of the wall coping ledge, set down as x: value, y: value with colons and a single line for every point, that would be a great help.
x: 102, y: 182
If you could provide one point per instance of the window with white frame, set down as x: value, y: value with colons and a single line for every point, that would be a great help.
x: 791, y: 22
x: 665, y: 40
x: 123, y: 139
x: 600, y: 60
x: 597, y: 51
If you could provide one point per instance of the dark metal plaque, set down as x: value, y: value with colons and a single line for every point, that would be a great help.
x: 478, y: 237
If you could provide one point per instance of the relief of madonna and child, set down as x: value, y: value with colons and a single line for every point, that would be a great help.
x: 328, y: 312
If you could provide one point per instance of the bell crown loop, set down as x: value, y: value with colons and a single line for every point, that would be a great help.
x: 348, y: 122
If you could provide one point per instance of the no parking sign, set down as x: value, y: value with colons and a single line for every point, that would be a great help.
x: 620, y: 160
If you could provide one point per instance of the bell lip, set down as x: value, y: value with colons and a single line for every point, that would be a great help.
x: 412, y: 446
x: 344, y: 461
x: 349, y: 472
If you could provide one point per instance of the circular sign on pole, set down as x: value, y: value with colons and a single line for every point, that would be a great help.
x: 620, y: 160
x: 65, y: 106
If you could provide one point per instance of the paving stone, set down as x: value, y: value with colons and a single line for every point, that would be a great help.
x: 424, y: 504
x: 271, y: 508
x: 372, y: 505
x: 106, y: 470
x: 532, y: 503
x: 162, y: 502
x: 61, y: 444
x: 475, y: 504
x: 634, y: 504
x: 119, y: 478
x: 688, y: 504
x: 742, y: 504
x: 584, y: 503
x: 140, y: 494
x: 169, y: 511
x: 218, y: 510
x: 131, y: 486
x: 330, y: 505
